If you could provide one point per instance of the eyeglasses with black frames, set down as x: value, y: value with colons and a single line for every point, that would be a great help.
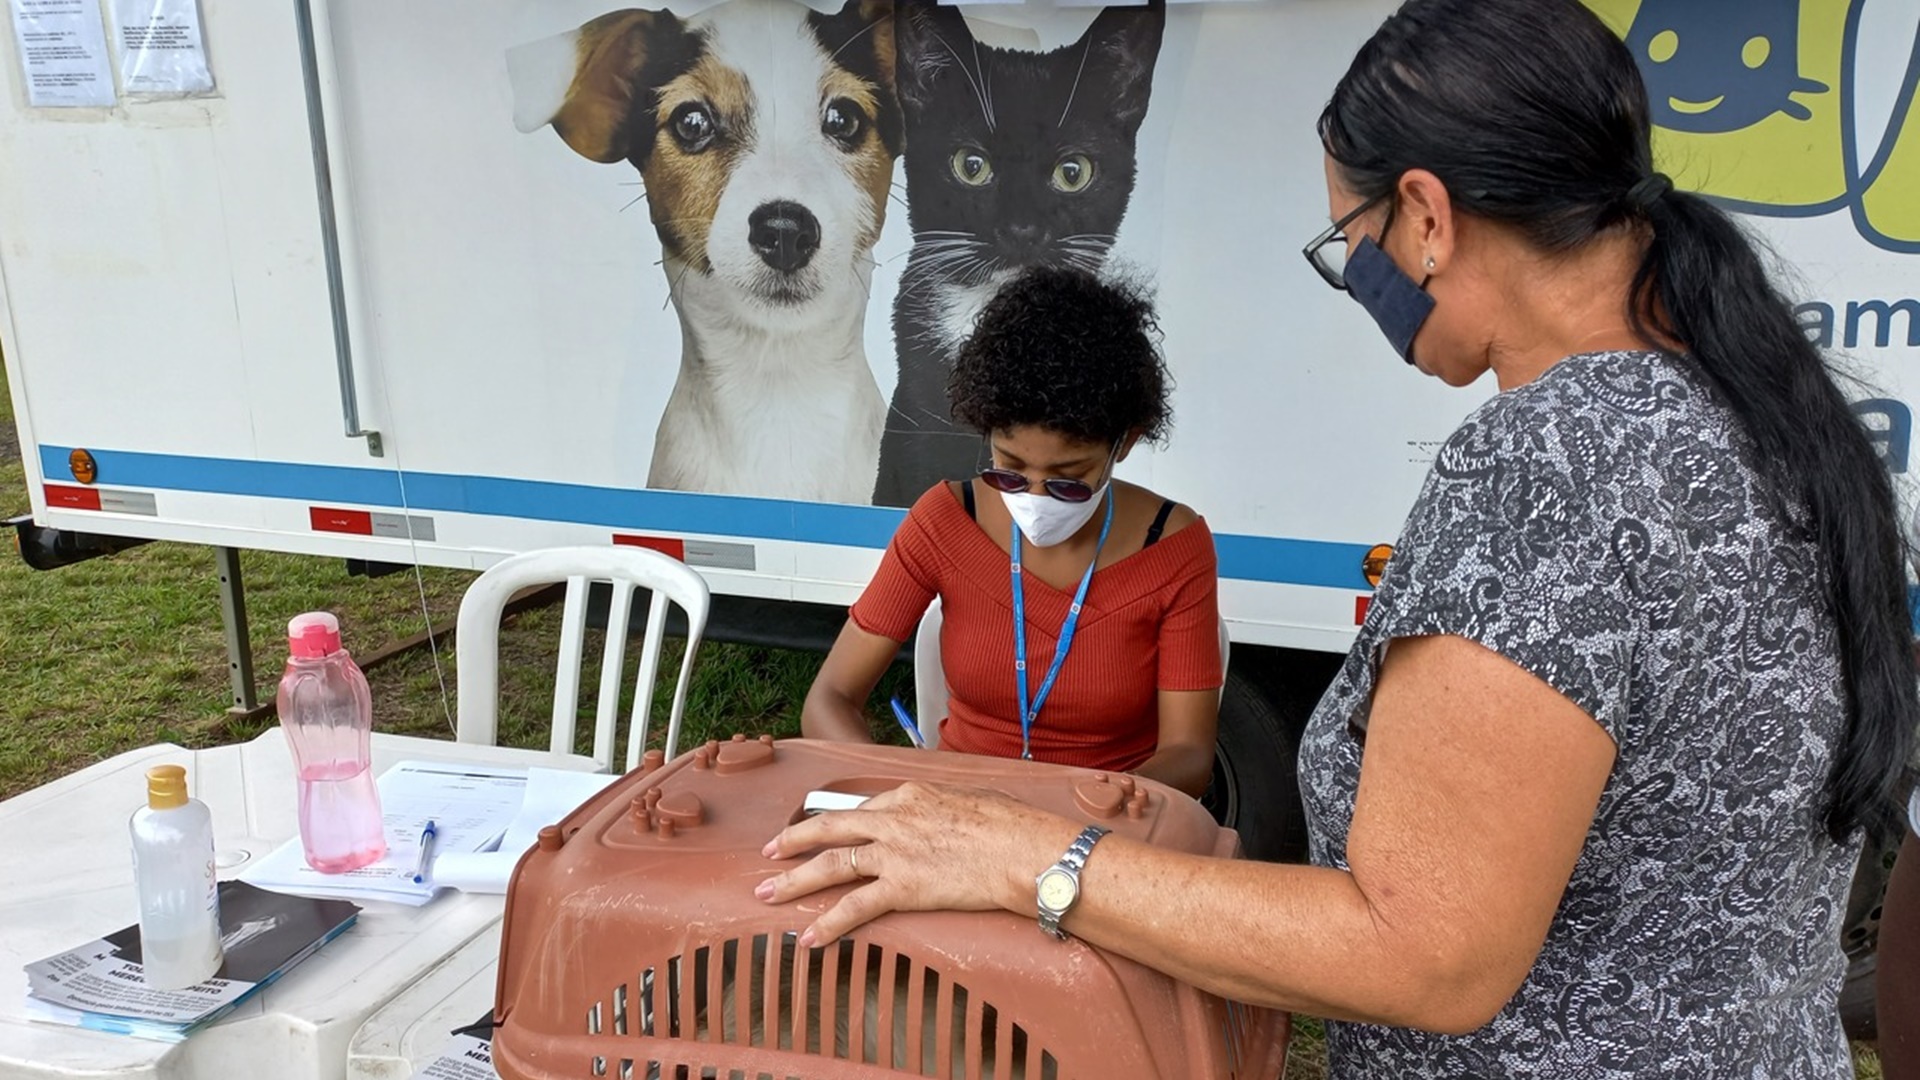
x: 1328, y: 251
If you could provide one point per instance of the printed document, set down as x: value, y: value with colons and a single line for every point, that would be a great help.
x: 161, y: 49
x: 63, y: 52
x: 470, y: 806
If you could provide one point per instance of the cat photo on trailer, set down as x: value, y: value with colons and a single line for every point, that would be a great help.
x: 1015, y: 158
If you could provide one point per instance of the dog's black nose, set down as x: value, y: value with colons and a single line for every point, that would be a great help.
x: 784, y: 234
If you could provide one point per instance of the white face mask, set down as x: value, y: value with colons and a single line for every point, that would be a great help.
x: 1045, y: 520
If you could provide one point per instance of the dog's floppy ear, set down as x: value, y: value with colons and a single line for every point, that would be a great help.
x: 930, y: 40
x: 596, y: 85
x: 1122, y: 45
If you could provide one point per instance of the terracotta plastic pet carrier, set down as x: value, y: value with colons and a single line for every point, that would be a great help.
x: 633, y: 947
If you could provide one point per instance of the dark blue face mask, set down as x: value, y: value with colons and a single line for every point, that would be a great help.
x: 1398, y: 303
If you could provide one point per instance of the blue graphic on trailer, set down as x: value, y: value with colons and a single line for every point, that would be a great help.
x: 1712, y: 67
x: 1757, y: 105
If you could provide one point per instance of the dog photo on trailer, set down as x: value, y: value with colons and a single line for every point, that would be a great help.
x: 764, y: 133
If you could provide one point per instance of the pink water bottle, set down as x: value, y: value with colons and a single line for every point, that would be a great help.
x: 326, y: 712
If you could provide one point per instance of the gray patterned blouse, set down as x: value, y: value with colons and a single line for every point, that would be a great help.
x: 1601, y: 527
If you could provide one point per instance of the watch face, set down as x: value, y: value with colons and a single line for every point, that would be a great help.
x: 1057, y: 889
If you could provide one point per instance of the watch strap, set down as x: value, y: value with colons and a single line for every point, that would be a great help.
x: 1071, y: 862
x: 1082, y: 846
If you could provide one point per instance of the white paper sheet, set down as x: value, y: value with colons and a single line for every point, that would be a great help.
x: 470, y: 806
x: 465, y: 1057
x: 161, y: 47
x: 96, y: 978
x: 63, y: 52
x: 551, y: 795
x: 480, y: 872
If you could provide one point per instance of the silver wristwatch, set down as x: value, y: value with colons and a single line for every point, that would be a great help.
x: 1058, y: 886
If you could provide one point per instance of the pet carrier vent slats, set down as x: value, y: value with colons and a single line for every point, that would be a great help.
x: 686, y: 994
x: 632, y: 954
x: 893, y: 970
x: 856, y: 1002
x: 855, y: 1047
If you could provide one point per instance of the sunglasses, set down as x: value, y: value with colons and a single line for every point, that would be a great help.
x: 1071, y: 491
x: 1328, y: 251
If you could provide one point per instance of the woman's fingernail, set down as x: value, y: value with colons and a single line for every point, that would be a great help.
x: 806, y: 938
x: 764, y: 890
x: 772, y: 847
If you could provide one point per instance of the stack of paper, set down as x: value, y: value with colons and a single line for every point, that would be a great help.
x: 470, y: 806
x: 101, y: 984
x: 551, y: 795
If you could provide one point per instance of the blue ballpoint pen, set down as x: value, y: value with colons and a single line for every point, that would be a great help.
x: 906, y: 721
x: 428, y: 836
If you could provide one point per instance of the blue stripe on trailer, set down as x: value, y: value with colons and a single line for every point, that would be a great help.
x: 1247, y: 558
x: 1292, y: 562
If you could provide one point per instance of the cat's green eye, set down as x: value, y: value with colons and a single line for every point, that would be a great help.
x: 1073, y: 173
x: 972, y: 167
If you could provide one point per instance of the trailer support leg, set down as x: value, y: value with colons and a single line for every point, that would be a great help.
x: 233, y: 617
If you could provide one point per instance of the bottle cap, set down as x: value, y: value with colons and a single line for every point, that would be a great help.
x: 166, y: 787
x: 313, y: 635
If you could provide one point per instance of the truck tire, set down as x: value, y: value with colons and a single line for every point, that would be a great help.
x: 1255, y: 788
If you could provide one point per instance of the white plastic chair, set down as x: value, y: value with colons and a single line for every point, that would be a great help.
x: 477, y: 641
x: 930, y: 677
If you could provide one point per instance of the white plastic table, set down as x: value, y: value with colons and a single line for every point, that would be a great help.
x: 66, y: 877
x: 412, y: 1029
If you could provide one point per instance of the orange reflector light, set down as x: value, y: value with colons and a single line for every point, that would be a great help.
x: 81, y: 464
x: 1374, y: 566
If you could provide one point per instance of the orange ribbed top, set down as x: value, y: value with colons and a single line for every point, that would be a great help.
x: 1150, y: 623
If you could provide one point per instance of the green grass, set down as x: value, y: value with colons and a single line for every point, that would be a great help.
x: 116, y: 653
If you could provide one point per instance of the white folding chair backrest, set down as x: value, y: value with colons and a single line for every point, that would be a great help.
x: 929, y: 677
x: 477, y: 641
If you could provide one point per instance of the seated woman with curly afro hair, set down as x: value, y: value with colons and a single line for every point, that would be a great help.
x: 1063, y: 379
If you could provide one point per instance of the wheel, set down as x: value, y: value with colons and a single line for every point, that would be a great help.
x: 1255, y: 788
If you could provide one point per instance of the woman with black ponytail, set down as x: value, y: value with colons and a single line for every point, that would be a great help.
x: 1586, y: 798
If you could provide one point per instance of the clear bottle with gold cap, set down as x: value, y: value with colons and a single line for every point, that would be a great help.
x: 173, y: 877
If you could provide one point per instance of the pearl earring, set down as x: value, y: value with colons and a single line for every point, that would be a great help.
x: 1429, y: 262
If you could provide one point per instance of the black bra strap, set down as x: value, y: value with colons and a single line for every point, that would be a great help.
x: 966, y: 497
x: 1159, y: 523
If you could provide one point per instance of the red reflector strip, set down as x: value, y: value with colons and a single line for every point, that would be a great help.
x: 66, y: 497
x: 1360, y: 606
x: 327, y: 519
x: 665, y: 545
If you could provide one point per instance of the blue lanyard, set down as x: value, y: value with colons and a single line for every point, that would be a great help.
x: 1028, y: 713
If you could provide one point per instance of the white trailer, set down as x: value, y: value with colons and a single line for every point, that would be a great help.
x: 396, y: 288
